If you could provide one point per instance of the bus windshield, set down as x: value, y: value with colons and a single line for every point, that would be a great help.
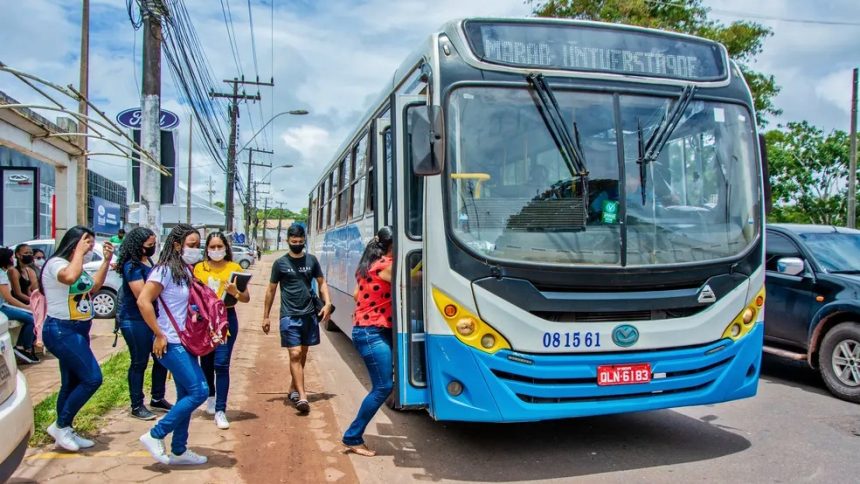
x: 513, y: 198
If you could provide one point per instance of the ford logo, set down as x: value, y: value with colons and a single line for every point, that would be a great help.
x: 625, y: 335
x: 130, y: 118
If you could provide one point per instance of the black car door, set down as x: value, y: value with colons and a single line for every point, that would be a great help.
x: 790, y: 299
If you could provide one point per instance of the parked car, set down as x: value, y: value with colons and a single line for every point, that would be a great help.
x: 16, y: 409
x: 243, y: 256
x: 812, y: 310
x: 104, y: 301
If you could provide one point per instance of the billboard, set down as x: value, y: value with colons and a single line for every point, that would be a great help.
x: 106, y: 216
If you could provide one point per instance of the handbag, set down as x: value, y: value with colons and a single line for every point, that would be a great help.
x: 315, y: 299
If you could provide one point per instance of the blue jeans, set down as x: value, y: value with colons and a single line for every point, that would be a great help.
x: 374, y: 345
x: 191, y: 392
x: 27, y: 335
x: 80, y: 375
x: 216, y: 365
x: 138, y: 337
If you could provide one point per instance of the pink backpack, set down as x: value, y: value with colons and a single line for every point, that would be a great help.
x: 39, y: 307
x: 206, y: 321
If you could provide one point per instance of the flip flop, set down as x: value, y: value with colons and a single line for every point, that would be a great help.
x: 293, y: 397
x: 361, y: 450
x: 303, y: 406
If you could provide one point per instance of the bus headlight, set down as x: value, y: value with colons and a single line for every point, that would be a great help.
x: 467, y: 326
x: 744, y: 321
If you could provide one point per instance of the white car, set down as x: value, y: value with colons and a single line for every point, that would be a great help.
x: 104, y: 301
x: 16, y: 409
x: 242, y: 256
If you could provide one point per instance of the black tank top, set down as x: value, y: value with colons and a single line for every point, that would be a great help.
x: 25, y: 283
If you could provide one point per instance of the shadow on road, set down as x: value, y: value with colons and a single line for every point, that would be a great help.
x: 541, y: 450
x: 796, y: 374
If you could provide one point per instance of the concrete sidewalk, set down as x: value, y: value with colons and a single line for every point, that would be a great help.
x: 118, y: 456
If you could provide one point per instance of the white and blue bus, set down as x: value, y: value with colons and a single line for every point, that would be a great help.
x: 579, y: 214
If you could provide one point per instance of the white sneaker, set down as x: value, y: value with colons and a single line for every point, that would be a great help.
x: 64, y: 437
x: 188, y: 458
x: 82, y: 442
x: 210, y: 405
x: 221, y: 420
x: 155, y: 447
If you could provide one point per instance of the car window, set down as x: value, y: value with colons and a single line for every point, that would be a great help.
x: 777, y: 247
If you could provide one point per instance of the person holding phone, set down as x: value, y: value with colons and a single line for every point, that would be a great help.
x: 216, y: 271
x: 66, y: 331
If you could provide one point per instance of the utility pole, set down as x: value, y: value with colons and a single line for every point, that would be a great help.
x: 210, y: 190
x: 83, y: 108
x: 265, y: 209
x: 188, y: 182
x: 256, y: 219
x: 852, y: 171
x: 150, y: 125
x: 251, y: 164
x: 280, y: 217
x: 235, y: 97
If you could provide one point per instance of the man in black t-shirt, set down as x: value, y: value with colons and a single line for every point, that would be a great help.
x: 299, y: 319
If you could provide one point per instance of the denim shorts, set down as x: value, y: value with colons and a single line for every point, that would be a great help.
x: 300, y: 331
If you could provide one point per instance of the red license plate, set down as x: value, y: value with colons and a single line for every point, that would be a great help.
x: 623, y: 374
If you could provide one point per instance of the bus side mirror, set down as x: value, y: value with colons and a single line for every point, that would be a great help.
x: 427, y: 140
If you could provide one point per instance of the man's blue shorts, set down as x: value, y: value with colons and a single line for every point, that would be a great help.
x: 300, y: 331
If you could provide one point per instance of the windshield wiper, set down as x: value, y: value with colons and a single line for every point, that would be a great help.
x: 571, y: 148
x: 649, y: 151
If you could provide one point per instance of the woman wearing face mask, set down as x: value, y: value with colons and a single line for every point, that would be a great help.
x: 168, y: 284
x: 215, y: 271
x: 23, y: 276
x: 66, y: 332
x: 16, y: 310
x: 38, y: 259
x: 135, y: 264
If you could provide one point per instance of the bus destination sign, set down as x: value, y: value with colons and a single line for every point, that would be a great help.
x: 596, y: 49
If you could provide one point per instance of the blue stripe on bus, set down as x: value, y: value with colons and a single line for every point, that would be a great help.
x: 500, y: 389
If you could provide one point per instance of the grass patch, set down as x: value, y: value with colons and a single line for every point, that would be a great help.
x: 113, y: 393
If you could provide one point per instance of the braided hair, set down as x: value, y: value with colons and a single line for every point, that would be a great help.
x: 374, y: 251
x: 171, y: 258
x: 132, y: 247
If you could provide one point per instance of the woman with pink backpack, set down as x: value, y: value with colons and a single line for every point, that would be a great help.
x: 170, y: 283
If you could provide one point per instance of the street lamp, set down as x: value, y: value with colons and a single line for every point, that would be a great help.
x: 294, y: 112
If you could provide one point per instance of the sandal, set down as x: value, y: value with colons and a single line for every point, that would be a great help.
x: 293, y: 397
x: 303, y: 406
x: 361, y: 450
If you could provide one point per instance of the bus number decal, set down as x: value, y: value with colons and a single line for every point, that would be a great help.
x: 577, y: 339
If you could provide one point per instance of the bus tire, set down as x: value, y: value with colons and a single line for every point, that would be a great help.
x: 839, y: 363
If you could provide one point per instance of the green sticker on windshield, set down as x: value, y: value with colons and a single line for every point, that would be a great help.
x: 610, y: 212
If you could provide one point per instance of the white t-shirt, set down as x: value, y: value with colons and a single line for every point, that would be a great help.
x: 67, y: 302
x: 4, y: 281
x: 176, y: 298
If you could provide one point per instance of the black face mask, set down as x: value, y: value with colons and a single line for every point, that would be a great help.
x: 297, y: 248
x: 149, y: 251
x: 27, y: 260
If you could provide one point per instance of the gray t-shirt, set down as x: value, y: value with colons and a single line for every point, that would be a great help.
x: 175, y: 296
x: 4, y: 281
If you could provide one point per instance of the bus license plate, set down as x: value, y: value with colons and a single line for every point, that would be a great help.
x: 623, y: 374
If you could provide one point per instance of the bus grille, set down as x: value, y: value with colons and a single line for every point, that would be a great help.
x: 529, y: 399
x: 610, y: 316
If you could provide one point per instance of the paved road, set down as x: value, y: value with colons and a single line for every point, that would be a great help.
x: 793, y: 431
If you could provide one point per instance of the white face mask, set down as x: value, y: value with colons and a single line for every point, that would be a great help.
x: 191, y: 256
x: 88, y: 257
x: 39, y: 263
x: 217, y: 255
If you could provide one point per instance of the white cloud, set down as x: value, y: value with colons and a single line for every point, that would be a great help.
x: 308, y: 140
x: 835, y: 88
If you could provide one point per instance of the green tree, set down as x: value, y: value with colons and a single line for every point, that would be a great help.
x: 743, y: 39
x: 220, y: 205
x: 808, y: 174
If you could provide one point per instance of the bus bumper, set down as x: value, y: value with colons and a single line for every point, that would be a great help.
x: 515, y: 387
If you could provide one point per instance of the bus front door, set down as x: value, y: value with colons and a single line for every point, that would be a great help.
x: 410, y: 366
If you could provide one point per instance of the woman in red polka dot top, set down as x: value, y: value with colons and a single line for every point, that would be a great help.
x: 371, y: 332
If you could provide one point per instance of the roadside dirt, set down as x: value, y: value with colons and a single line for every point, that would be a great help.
x: 281, y: 445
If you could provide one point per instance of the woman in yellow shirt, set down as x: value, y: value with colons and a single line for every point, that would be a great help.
x: 215, y: 271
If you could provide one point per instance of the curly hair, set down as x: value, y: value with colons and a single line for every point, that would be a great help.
x: 172, y: 258
x: 132, y: 247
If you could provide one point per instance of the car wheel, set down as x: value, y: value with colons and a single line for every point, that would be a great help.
x: 104, y: 304
x: 244, y: 264
x: 839, y: 361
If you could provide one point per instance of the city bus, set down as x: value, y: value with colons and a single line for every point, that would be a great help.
x: 579, y: 213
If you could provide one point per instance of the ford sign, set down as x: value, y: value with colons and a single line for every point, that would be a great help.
x: 130, y: 118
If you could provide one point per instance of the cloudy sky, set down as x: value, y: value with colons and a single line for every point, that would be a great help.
x: 332, y: 57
